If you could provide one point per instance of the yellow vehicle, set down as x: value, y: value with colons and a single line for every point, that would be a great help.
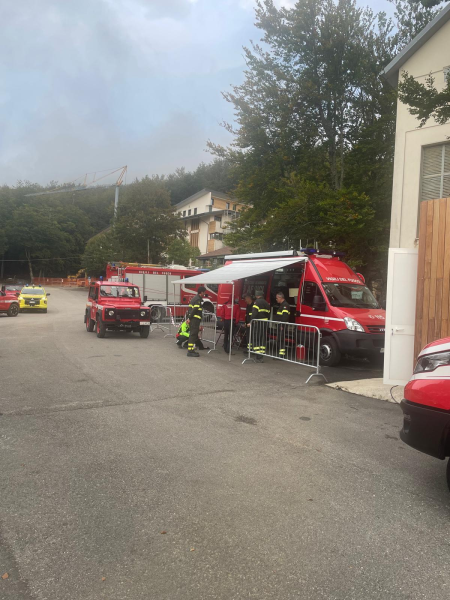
x: 33, y: 297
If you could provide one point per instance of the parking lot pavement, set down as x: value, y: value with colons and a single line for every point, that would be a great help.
x: 130, y: 471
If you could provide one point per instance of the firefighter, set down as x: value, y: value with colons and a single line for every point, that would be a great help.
x: 248, y: 317
x: 194, y: 318
x: 261, y: 311
x: 183, y: 337
x: 283, y: 312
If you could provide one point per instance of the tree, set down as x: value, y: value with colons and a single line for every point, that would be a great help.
x: 424, y: 100
x: 35, y: 234
x: 100, y: 250
x: 180, y: 252
x: 145, y: 224
x: 315, y: 127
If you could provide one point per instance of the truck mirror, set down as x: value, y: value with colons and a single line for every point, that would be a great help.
x: 145, y: 298
x: 319, y: 304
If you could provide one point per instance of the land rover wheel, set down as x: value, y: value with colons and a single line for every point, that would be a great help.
x: 90, y: 323
x: 144, y: 331
x: 13, y: 310
x: 101, y: 328
x: 330, y: 355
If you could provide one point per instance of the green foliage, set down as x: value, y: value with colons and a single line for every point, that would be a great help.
x: 180, y: 252
x: 218, y: 176
x: 315, y: 127
x: 100, y: 250
x: 145, y: 223
x: 424, y: 100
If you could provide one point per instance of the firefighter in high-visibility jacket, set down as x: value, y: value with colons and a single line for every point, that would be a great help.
x: 260, y: 311
x: 194, y: 318
x: 282, y: 314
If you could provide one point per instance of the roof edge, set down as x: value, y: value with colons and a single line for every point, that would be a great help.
x: 391, y: 70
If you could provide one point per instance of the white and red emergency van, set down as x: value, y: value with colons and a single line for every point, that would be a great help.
x: 156, y: 285
x: 322, y: 291
x: 426, y: 406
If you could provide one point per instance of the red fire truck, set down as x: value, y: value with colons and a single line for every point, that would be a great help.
x: 156, y: 285
x: 426, y: 407
x: 325, y: 292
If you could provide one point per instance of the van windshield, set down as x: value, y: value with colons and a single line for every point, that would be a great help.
x: 349, y: 296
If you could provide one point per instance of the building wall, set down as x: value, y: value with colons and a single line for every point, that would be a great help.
x: 205, y: 206
x: 433, y: 57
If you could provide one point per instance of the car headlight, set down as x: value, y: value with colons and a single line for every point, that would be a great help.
x: 111, y: 313
x: 352, y: 324
x: 430, y: 362
x: 143, y: 313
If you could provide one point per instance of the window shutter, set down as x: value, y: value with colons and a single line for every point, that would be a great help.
x: 435, y: 172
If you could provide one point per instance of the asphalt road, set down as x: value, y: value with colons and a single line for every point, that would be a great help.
x: 129, y: 471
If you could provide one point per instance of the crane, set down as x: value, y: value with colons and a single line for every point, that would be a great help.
x: 88, y: 182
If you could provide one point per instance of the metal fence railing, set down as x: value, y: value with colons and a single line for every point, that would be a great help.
x: 290, y: 342
x: 208, y: 331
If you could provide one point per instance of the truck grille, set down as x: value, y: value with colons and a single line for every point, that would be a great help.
x: 128, y: 313
x: 376, y: 328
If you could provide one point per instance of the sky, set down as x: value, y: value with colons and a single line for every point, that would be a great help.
x: 88, y: 85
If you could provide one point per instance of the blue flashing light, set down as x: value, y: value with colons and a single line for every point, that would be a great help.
x: 309, y: 251
x: 126, y: 279
x: 101, y: 277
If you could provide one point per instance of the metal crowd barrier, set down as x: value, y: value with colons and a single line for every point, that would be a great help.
x: 208, y: 331
x: 167, y: 318
x: 290, y: 342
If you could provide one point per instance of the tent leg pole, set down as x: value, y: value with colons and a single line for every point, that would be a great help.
x: 231, y: 325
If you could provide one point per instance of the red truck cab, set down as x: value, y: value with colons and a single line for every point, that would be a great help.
x: 324, y: 292
x: 116, y: 306
x: 426, y: 406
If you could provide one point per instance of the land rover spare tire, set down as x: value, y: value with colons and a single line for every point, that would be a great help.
x: 13, y: 310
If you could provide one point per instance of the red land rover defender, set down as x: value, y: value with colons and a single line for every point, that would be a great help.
x: 116, y: 306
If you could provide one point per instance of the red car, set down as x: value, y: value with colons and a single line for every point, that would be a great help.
x: 9, y: 304
x: 426, y: 407
x: 11, y: 290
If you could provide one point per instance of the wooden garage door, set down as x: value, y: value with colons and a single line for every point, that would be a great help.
x: 433, y: 273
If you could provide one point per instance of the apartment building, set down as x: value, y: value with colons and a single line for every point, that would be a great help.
x: 205, y: 216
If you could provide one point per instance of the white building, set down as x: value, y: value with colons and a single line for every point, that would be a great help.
x: 421, y: 173
x: 205, y: 215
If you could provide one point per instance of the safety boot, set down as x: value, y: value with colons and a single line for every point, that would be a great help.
x: 192, y: 353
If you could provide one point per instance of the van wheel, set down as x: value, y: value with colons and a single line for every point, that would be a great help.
x: 144, y: 331
x: 157, y: 314
x: 448, y: 473
x: 208, y: 306
x: 101, y: 328
x: 330, y: 355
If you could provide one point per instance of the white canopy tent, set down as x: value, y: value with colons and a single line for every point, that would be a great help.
x: 240, y: 269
